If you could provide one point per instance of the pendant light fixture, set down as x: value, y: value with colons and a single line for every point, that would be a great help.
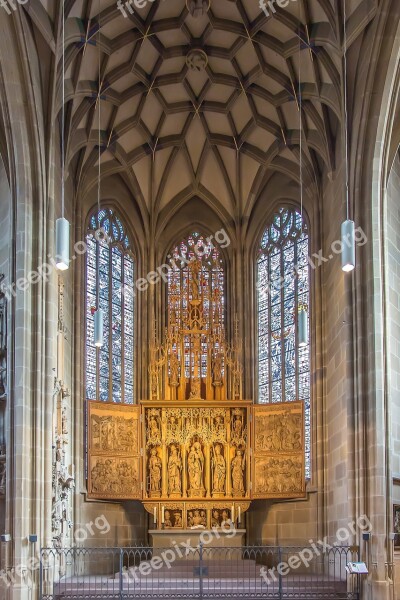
x: 348, y: 227
x: 302, y: 312
x: 302, y: 325
x: 62, y: 225
x: 99, y: 315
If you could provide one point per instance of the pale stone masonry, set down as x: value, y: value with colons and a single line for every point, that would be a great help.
x: 355, y: 319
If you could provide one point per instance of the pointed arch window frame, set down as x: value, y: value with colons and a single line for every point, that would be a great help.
x: 270, y: 253
x: 120, y: 267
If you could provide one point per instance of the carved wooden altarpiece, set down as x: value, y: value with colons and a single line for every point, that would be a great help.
x: 196, y: 451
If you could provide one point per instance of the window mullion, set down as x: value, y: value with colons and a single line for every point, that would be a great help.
x: 282, y: 336
x: 269, y: 328
x: 296, y: 329
x: 110, y: 328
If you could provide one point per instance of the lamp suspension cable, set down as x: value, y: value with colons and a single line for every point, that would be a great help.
x: 62, y: 225
x: 346, y: 127
x: 302, y: 317
x: 63, y: 115
x: 348, y: 227
x: 98, y: 315
x: 300, y: 95
x: 99, y: 115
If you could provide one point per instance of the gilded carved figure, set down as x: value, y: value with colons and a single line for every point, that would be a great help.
x: 155, y: 470
x: 219, y: 470
x: 238, y: 468
x: 196, y: 470
x: 174, y: 472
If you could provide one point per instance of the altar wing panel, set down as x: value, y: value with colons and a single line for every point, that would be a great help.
x: 114, y: 445
x: 278, y: 459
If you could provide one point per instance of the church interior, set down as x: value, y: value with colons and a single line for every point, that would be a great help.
x: 199, y: 299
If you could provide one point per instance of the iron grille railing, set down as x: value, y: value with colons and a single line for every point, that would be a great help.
x: 188, y: 573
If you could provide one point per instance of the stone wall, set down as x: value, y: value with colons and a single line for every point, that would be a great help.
x: 283, y: 523
x: 392, y: 242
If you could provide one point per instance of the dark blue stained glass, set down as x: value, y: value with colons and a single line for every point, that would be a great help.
x: 128, y: 292
x: 128, y: 270
x: 91, y: 359
x: 128, y: 372
x: 103, y: 389
x: 117, y: 391
x: 116, y: 263
x: 283, y: 279
x: 277, y: 391
x: 128, y: 323
x: 110, y: 272
x: 128, y: 394
x: 290, y: 388
x: 91, y: 386
x: 90, y: 332
x: 104, y: 364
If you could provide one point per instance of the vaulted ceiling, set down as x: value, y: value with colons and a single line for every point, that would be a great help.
x: 202, y: 104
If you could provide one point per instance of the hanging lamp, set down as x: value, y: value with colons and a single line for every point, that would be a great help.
x: 348, y: 228
x: 302, y: 326
x: 62, y: 224
x: 302, y: 312
x: 99, y: 314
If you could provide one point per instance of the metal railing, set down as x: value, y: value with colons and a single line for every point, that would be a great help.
x: 201, y: 572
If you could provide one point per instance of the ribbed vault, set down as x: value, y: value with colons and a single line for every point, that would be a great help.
x: 204, y: 105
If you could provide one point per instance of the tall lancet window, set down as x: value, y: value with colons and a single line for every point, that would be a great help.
x: 283, y: 277
x: 208, y: 282
x: 110, y: 269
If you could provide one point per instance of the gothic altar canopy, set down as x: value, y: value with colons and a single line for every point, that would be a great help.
x: 196, y: 452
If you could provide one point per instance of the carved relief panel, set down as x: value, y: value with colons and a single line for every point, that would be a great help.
x: 114, y: 451
x: 278, y: 462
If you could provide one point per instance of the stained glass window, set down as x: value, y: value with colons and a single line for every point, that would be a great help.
x: 110, y: 270
x: 282, y: 289
x: 211, y: 278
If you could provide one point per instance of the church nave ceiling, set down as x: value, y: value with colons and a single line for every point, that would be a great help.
x: 204, y: 105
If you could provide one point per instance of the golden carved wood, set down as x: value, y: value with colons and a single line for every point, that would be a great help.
x: 278, y: 458
x: 195, y: 361
x: 196, y: 450
x: 114, y: 444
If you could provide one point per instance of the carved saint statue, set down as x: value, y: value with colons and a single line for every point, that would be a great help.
x: 155, y: 467
x: 64, y: 421
x: 196, y: 468
x: 219, y: 470
x: 237, y: 426
x: 174, y: 471
x: 154, y: 428
x: 238, y: 474
x: 217, y: 369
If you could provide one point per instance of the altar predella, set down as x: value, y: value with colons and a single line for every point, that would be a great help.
x: 196, y: 452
